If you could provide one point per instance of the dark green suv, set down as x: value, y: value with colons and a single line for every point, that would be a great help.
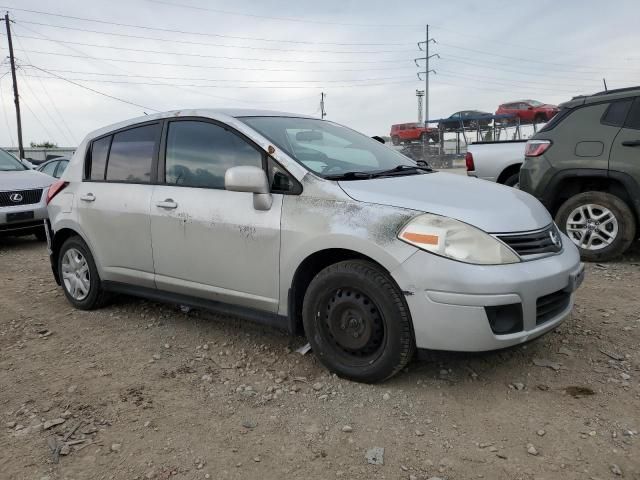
x: 584, y: 166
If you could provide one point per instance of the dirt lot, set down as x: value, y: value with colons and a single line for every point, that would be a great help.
x: 158, y: 393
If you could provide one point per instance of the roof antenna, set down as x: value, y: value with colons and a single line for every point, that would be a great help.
x: 148, y: 114
x: 605, y: 85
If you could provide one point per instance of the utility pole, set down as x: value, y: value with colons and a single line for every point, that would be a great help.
x: 322, y: 111
x: 16, y: 97
x: 427, y: 70
x: 420, y: 95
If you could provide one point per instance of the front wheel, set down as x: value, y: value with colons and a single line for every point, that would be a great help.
x: 79, y: 276
x: 600, y: 224
x: 358, y: 322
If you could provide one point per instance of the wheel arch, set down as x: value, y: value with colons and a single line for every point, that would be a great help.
x: 508, y: 171
x: 308, y: 269
x: 567, y: 183
x: 59, y: 237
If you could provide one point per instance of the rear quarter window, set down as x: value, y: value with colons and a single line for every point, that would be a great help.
x: 616, y: 113
x: 633, y: 118
x: 98, y: 158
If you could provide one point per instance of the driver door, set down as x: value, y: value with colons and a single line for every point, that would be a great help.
x: 209, y: 242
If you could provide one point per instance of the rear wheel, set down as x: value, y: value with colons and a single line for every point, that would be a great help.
x: 513, y: 180
x: 357, y: 322
x: 600, y: 224
x: 395, y: 140
x: 79, y: 276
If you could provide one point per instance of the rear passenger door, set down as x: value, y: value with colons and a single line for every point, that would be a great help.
x: 625, y: 152
x: 209, y: 242
x: 113, y: 202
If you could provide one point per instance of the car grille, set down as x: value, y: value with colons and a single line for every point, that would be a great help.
x: 534, y: 243
x: 27, y: 197
x: 551, y: 305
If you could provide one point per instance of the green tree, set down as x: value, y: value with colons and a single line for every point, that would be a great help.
x: 46, y: 144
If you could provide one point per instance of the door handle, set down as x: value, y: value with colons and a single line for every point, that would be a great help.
x: 89, y: 197
x: 167, y: 203
x: 631, y: 143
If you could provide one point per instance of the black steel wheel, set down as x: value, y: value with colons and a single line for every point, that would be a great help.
x: 357, y: 321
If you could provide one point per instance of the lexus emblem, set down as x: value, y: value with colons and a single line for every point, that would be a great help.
x: 555, y: 238
x: 15, y: 197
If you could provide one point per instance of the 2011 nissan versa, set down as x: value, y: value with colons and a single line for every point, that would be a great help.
x: 310, y: 226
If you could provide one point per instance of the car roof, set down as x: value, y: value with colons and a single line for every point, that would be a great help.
x: 222, y: 114
x: 603, y: 96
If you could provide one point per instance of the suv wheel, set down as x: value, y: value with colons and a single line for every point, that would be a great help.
x: 395, y: 140
x: 79, y: 276
x: 358, y: 322
x: 513, y: 180
x: 600, y: 224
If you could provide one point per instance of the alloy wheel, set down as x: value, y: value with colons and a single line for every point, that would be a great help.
x: 592, y: 226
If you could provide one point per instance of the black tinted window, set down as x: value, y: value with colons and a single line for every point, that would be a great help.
x: 131, y: 154
x: 99, y: 151
x: 616, y: 113
x: 633, y: 119
x: 199, y: 154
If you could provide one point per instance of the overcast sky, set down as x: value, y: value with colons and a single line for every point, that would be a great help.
x: 282, y: 55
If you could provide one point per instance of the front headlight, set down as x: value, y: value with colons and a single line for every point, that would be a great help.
x: 457, y: 240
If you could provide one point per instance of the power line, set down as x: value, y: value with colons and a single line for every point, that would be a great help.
x: 507, y: 57
x: 62, y: 120
x: 283, y: 19
x: 4, y: 112
x: 184, y: 32
x: 45, y: 109
x: 286, y: 87
x: 95, y: 91
x: 222, y: 57
x: 209, y: 44
x: 44, y: 127
x: 227, y: 80
x: 218, y: 67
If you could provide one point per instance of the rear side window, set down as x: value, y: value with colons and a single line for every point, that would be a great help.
x: 99, y: 152
x: 199, y: 153
x: 633, y: 119
x: 616, y: 113
x: 131, y: 154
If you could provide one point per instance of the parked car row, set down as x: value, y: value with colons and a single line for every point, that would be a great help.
x: 522, y: 111
x: 584, y: 166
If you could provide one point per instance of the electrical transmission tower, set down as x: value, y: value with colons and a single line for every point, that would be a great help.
x: 420, y: 95
x: 426, y: 71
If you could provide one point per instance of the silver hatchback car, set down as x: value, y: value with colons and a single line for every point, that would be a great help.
x: 312, y: 227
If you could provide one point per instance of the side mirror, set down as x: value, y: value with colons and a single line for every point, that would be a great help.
x: 250, y: 179
x: 378, y: 139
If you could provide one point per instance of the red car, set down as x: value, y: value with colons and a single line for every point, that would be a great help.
x: 529, y: 111
x: 411, y: 132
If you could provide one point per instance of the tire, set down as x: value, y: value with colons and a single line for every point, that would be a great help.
x: 95, y: 296
x: 513, y: 180
x: 619, y: 233
x: 41, y: 235
x: 360, y: 304
x: 540, y: 118
x: 395, y: 140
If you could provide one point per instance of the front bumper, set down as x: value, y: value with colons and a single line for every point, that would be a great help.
x: 22, y: 219
x: 448, y: 300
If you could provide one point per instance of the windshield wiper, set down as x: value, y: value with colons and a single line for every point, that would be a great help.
x: 401, y: 170
x: 350, y: 176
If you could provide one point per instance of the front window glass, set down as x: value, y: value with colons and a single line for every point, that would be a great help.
x: 9, y: 163
x: 325, y: 147
x: 199, y: 154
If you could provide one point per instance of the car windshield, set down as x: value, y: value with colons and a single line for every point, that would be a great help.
x: 9, y: 163
x: 326, y: 148
x: 535, y: 103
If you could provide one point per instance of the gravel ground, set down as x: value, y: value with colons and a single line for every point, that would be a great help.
x: 140, y: 390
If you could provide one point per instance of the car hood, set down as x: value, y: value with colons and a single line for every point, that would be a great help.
x: 24, y: 180
x: 492, y: 207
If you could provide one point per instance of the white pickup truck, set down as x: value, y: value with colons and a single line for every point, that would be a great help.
x: 498, y: 161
